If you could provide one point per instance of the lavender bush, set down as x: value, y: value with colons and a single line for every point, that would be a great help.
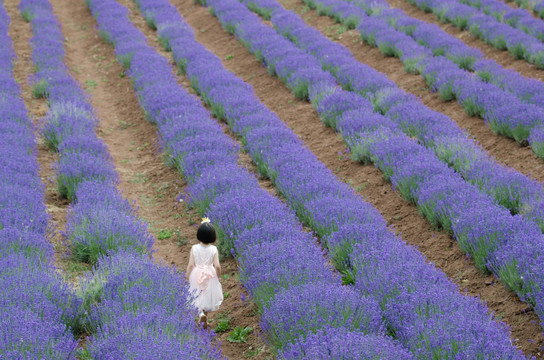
x: 69, y: 128
x: 537, y: 140
x: 343, y: 346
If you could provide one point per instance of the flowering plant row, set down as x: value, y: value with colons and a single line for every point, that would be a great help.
x: 262, y: 231
x: 483, y: 229
x: 516, y: 18
x: 95, y: 228
x: 36, y: 308
x: 484, y: 95
x: 441, y: 43
x: 466, y: 57
x: 357, y: 237
x: 537, y: 6
x: 125, y: 305
x: 436, y: 131
x: 520, y: 44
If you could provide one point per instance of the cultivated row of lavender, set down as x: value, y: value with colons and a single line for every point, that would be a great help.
x: 93, y: 229
x: 353, y: 230
x: 506, y: 245
x: 499, y: 35
x: 516, y: 18
x: 484, y: 95
x: 537, y: 6
x: 36, y: 307
x: 263, y: 232
x: 441, y: 43
x: 125, y: 304
x: 466, y: 57
x: 436, y: 131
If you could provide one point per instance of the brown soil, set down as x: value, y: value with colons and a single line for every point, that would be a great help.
x: 145, y: 179
x: 367, y: 180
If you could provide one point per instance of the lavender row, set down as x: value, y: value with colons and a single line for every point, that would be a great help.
x: 537, y: 6
x: 70, y: 124
x: 436, y: 131
x: 516, y: 18
x: 338, y: 215
x: 504, y: 244
x: 403, y: 113
x: 123, y: 309
x: 248, y: 218
x: 441, y: 43
x: 501, y: 36
x: 433, y: 37
x: 484, y: 95
x: 37, y: 308
x: 521, y: 122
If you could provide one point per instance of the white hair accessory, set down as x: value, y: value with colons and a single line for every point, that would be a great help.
x: 205, y: 220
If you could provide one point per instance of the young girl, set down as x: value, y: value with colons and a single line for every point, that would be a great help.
x: 203, y: 272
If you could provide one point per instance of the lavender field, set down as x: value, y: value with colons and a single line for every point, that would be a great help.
x: 374, y: 171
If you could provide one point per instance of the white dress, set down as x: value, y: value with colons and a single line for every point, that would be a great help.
x: 203, y: 280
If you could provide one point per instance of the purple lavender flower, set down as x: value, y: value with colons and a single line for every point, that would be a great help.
x: 331, y: 343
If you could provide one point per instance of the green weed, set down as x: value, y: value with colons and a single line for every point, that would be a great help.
x: 239, y: 334
x: 165, y: 234
x: 223, y: 324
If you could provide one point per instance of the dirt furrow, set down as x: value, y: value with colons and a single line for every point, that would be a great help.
x: 367, y: 180
x: 144, y: 178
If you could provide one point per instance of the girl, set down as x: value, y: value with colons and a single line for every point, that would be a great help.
x: 203, y: 272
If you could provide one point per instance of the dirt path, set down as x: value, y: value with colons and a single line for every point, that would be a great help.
x: 367, y: 180
x: 505, y: 150
x: 145, y: 179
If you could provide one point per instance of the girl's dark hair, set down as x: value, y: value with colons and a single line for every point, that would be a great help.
x: 206, y: 233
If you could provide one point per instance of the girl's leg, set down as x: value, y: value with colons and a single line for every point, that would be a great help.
x: 203, y: 319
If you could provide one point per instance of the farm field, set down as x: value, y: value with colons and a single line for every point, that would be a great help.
x: 373, y: 169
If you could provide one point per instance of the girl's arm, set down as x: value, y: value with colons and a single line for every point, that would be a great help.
x: 190, y: 266
x: 216, y: 264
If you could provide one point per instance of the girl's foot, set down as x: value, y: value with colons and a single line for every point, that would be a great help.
x: 203, y: 320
